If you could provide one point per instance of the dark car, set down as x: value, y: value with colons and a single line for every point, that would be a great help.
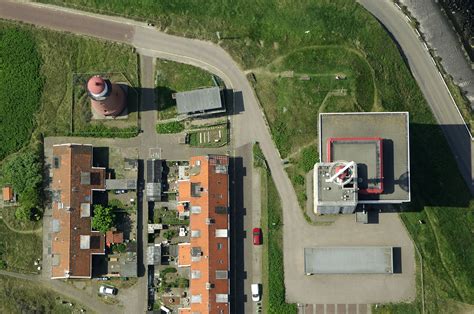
x: 257, y: 236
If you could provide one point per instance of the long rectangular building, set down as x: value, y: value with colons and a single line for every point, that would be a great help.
x: 73, y: 240
x: 205, y: 193
x: 348, y: 260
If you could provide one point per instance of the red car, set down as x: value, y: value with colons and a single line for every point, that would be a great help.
x: 257, y: 236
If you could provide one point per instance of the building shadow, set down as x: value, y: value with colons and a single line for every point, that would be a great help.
x: 237, y: 273
x: 397, y: 260
x: 140, y: 254
x: 100, y: 156
x: 437, y: 177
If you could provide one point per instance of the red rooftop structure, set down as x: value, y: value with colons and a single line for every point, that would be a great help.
x: 73, y: 240
x: 107, y: 99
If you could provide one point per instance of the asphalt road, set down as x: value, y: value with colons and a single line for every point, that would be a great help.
x: 430, y: 82
x: 249, y: 125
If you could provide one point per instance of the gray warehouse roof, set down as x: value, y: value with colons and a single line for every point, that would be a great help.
x: 199, y: 100
x: 348, y: 260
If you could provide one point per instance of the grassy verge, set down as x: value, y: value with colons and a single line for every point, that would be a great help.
x: 272, y: 228
x: 170, y: 127
x: 174, y: 77
x: 20, y: 296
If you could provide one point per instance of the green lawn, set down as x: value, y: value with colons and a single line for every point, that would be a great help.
x: 216, y: 136
x: 174, y: 77
x: 48, y: 102
x: 19, y: 250
x: 21, y: 296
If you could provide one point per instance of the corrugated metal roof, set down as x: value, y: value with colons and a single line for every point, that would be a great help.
x: 348, y: 260
x: 199, y: 100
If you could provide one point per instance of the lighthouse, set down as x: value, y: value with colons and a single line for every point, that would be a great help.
x: 107, y: 99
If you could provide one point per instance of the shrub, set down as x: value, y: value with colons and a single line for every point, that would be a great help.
x: 169, y: 234
x: 104, y: 218
x: 119, y: 248
x: 170, y: 127
x: 100, y: 130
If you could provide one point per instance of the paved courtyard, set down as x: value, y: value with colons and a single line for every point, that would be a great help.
x: 352, y: 288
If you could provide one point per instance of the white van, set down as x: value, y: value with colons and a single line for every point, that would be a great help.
x: 255, y: 289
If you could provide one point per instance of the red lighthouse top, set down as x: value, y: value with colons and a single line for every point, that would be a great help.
x: 96, y: 85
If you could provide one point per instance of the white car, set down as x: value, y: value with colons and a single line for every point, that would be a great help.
x: 255, y: 289
x: 107, y: 290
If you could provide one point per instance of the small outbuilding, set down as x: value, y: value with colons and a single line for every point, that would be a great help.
x: 200, y: 101
x: 7, y: 193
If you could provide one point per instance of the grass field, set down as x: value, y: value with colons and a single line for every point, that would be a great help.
x: 261, y: 33
x: 20, y: 87
x: 20, y: 296
x: 272, y: 228
x: 174, y: 77
x: 20, y: 250
x: 61, y: 55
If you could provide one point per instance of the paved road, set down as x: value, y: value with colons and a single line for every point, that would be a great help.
x: 430, y: 82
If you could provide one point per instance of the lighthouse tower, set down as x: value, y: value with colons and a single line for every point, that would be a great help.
x: 107, y: 99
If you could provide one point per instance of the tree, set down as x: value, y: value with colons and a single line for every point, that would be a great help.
x: 24, y: 173
x: 104, y: 218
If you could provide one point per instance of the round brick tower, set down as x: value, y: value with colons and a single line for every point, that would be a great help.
x: 107, y: 99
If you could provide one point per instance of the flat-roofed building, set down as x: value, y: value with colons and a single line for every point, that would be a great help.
x: 206, y: 194
x: 348, y: 260
x: 377, y: 143
x: 200, y: 101
x: 73, y: 240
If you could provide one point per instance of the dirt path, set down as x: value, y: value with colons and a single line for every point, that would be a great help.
x: 38, y: 230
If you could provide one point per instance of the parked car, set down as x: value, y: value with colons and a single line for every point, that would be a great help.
x: 257, y: 236
x: 255, y: 289
x: 107, y: 290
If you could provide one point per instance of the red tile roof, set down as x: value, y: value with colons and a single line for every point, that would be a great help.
x: 7, y: 192
x: 73, y: 241
x: 207, y: 193
x: 113, y: 237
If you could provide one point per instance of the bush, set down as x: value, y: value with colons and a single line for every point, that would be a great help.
x: 104, y: 218
x: 170, y: 127
x: 119, y: 248
x: 20, y: 88
x: 169, y: 234
x: 100, y: 130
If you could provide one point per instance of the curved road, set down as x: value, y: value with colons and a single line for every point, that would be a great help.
x: 250, y: 125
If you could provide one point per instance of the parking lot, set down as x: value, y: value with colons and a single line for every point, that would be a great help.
x: 348, y: 288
